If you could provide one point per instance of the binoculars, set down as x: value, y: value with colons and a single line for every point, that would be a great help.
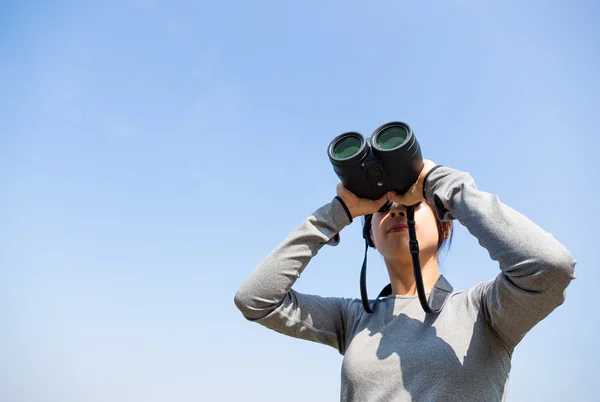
x: 389, y: 160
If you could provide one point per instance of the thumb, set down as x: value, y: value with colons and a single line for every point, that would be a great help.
x: 385, y: 198
x: 397, y: 198
x: 379, y: 203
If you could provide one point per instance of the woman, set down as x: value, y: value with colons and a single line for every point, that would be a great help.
x: 398, y: 352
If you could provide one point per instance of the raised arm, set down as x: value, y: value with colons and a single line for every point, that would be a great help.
x: 535, y: 267
x: 266, y: 295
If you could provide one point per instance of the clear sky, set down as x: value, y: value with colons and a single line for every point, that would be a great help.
x: 153, y: 152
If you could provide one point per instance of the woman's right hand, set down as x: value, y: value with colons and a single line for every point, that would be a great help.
x: 359, y: 206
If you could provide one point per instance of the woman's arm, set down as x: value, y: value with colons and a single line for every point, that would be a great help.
x: 535, y: 267
x: 266, y: 295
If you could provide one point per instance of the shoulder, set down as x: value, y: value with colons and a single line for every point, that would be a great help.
x: 468, y: 309
x: 471, y: 298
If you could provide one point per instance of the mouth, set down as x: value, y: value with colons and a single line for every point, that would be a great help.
x: 398, y: 228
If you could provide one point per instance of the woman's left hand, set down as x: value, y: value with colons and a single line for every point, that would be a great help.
x: 414, y: 194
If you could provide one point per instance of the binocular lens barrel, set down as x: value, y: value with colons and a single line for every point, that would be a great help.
x: 391, y: 137
x: 347, y: 147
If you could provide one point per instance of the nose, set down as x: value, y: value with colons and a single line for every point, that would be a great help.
x: 398, y: 209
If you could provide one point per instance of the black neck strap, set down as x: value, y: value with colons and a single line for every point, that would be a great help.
x: 440, y: 292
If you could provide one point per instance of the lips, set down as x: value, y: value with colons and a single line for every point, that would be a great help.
x: 398, y: 228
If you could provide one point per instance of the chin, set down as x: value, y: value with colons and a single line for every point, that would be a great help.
x: 400, y: 256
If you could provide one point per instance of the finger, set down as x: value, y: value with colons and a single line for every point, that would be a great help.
x: 397, y: 198
x: 383, y: 200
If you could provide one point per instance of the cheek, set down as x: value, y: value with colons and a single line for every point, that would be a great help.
x: 376, y: 230
x: 427, y: 228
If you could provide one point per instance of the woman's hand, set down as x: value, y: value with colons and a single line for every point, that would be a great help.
x: 415, y: 193
x: 363, y: 206
x: 359, y: 206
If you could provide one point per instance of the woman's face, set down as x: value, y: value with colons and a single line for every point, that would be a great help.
x: 389, y: 232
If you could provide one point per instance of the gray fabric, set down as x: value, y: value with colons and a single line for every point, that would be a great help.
x: 397, y: 353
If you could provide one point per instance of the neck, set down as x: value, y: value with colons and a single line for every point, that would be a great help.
x: 403, y: 279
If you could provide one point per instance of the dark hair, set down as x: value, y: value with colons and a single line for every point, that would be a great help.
x: 445, y: 229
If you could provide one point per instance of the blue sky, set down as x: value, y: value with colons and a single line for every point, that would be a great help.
x: 153, y: 152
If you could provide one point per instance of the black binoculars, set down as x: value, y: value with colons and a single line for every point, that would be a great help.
x: 389, y: 160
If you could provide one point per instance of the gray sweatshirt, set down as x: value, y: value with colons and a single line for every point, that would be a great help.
x: 399, y: 353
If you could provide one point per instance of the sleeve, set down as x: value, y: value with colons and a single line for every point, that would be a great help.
x: 535, y: 268
x: 266, y: 295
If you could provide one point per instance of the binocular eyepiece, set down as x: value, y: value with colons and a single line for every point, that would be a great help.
x: 389, y: 160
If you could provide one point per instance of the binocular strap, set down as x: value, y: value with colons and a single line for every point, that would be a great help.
x: 440, y: 292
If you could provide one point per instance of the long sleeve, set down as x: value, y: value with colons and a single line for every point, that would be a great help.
x: 535, y: 268
x: 266, y: 295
